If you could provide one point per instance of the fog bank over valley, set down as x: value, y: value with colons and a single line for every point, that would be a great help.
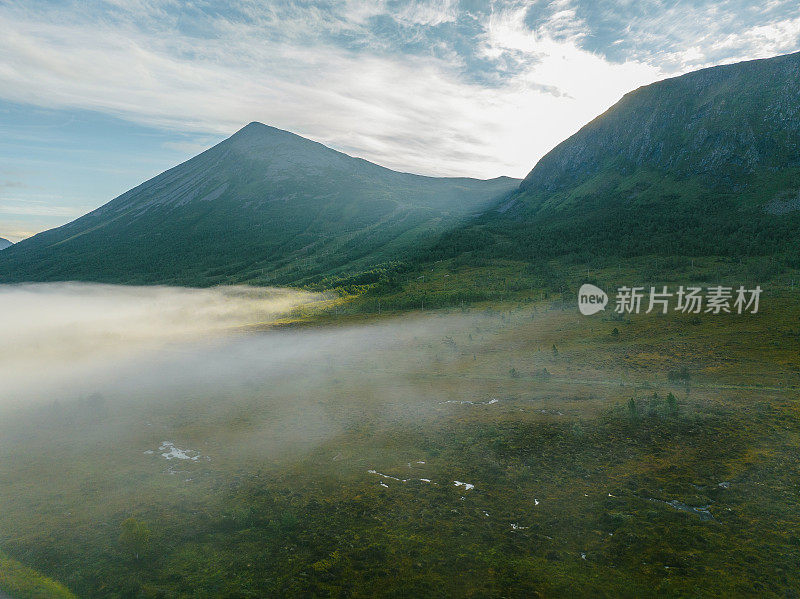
x: 113, y: 364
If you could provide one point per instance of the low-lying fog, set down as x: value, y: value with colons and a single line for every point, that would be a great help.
x: 67, y: 337
x: 156, y: 360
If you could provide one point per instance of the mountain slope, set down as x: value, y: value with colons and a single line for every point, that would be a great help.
x: 707, y: 163
x: 264, y: 206
x: 4, y: 243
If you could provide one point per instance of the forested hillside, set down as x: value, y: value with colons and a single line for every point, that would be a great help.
x: 703, y: 164
x: 263, y: 207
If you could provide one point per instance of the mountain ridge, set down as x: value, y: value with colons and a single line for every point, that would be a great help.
x: 707, y: 163
x: 265, y: 206
x: 705, y: 119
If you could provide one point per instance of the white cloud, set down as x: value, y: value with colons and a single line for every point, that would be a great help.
x: 583, y: 84
x: 761, y: 41
x: 15, y: 236
x: 688, y: 36
x: 428, y: 13
x: 408, y: 112
x: 63, y: 329
x: 30, y: 208
x: 321, y: 71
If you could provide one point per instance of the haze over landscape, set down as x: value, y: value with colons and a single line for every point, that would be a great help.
x: 338, y: 352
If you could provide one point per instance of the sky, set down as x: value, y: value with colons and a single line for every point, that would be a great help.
x: 97, y: 96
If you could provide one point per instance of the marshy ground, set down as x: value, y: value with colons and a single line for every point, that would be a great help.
x: 513, y: 451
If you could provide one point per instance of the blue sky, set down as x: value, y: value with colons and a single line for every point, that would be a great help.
x: 98, y: 96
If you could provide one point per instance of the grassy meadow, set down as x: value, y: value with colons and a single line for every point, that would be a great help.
x: 500, y: 448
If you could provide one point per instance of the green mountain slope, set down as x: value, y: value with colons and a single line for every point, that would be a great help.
x: 22, y: 582
x: 703, y: 164
x: 264, y: 206
x: 4, y: 243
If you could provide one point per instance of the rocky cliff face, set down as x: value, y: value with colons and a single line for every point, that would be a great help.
x: 722, y: 124
x: 703, y: 164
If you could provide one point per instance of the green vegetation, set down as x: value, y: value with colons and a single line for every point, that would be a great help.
x: 264, y: 207
x: 612, y: 216
x: 500, y: 445
x: 135, y: 537
x: 698, y: 165
x: 25, y: 583
x: 613, y: 475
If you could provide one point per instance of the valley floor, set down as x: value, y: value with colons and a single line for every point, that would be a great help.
x: 518, y: 450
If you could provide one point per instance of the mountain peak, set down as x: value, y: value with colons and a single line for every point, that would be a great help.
x: 257, y: 128
x: 280, y: 148
x: 265, y: 206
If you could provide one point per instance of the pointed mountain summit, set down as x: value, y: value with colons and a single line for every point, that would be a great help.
x: 264, y: 206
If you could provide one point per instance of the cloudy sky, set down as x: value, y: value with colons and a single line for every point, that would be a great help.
x: 98, y: 96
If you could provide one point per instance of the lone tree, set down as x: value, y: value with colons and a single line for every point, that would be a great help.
x: 672, y: 403
x: 633, y: 411
x: 135, y: 536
